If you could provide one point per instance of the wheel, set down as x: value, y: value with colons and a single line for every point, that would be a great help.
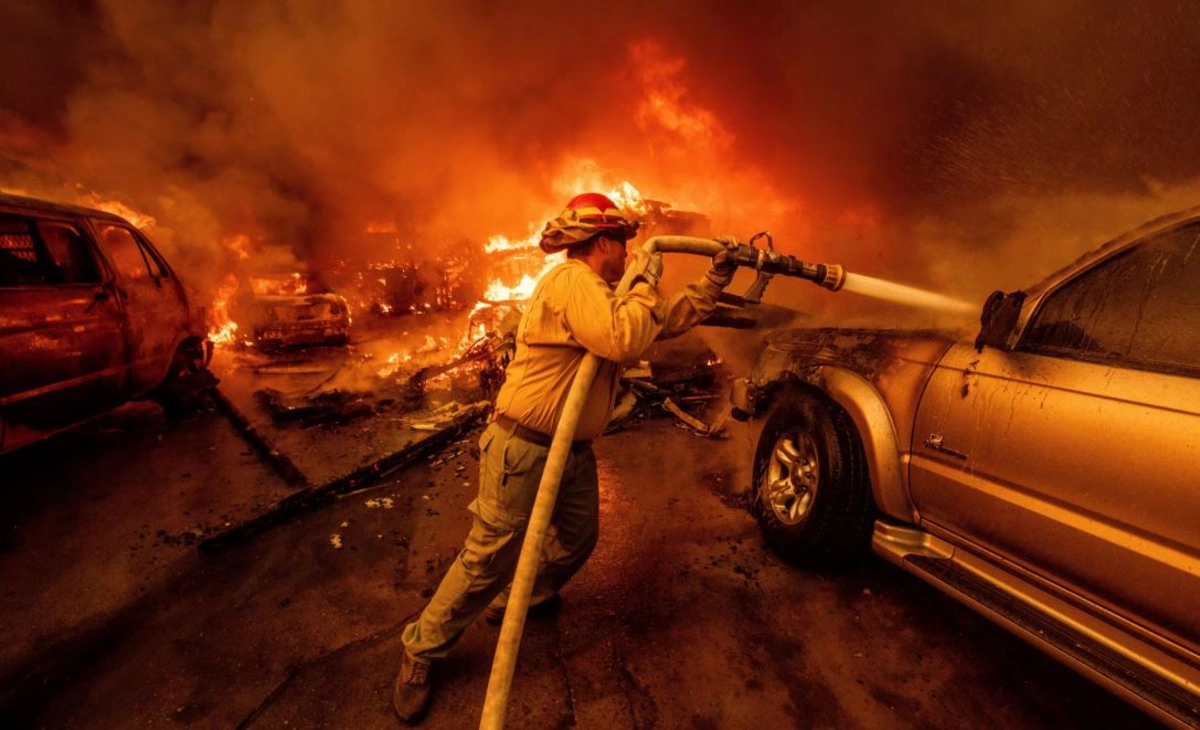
x: 187, y: 379
x: 812, y: 495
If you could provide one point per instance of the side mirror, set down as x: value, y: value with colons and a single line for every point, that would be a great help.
x: 999, y: 319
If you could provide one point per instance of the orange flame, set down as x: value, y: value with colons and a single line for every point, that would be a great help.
x: 222, y: 330
x: 580, y: 176
x: 116, y: 207
x: 665, y: 102
x: 239, y: 243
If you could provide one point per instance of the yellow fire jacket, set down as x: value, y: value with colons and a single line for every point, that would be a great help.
x: 573, y: 312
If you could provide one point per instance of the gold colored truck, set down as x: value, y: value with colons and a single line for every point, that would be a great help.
x: 1045, y: 472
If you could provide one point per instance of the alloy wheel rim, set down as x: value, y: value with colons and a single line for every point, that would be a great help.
x: 793, y: 476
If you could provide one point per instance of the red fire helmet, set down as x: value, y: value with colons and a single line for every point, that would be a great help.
x: 587, y: 215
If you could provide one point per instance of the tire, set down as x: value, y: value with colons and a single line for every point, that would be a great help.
x: 182, y: 390
x: 812, y: 495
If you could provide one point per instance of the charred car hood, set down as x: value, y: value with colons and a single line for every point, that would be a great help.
x: 868, y: 352
x: 895, y: 363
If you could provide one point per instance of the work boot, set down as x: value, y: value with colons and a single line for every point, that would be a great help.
x: 410, y: 696
x: 494, y: 615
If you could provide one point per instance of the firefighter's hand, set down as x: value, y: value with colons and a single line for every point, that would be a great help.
x: 723, y: 266
x: 651, y: 265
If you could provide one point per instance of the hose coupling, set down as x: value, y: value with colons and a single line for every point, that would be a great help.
x: 833, y: 276
x: 830, y: 276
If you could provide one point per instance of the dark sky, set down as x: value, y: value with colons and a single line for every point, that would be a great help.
x: 300, y: 123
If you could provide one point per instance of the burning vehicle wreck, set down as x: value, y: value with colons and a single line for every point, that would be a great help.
x: 1043, y: 472
x: 291, y: 309
x: 91, y: 316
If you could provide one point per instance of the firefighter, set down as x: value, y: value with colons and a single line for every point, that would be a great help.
x: 572, y: 311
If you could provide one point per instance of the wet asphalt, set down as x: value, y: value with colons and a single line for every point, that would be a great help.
x: 682, y: 618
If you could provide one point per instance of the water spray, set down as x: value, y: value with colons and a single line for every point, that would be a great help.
x: 909, y: 295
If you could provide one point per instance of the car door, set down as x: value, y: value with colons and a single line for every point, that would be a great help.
x: 62, y: 342
x: 154, y: 301
x: 1076, y: 454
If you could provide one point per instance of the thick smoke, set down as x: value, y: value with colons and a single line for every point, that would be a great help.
x: 965, y: 146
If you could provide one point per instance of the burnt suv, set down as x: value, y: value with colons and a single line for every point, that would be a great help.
x: 91, y: 316
x: 1045, y: 472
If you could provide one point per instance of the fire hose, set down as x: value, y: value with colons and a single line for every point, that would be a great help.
x: 767, y: 262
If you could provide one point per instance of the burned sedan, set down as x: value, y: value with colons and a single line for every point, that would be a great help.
x: 291, y: 309
x: 1043, y: 472
x: 91, y: 315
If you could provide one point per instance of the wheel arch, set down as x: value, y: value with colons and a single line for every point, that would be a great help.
x: 185, y: 341
x: 876, y: 430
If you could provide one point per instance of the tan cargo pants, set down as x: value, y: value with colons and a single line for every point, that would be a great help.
x: 510, y: 469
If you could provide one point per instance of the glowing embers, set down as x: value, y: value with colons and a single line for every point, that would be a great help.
x: 398, y: 362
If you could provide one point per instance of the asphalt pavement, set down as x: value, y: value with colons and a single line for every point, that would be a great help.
x: 682, y: 619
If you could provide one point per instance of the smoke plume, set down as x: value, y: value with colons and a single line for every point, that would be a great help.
x: 964, y: 146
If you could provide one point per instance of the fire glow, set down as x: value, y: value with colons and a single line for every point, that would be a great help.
x: 222, y: 330
x: 624, y: 194
x: 679, y: 131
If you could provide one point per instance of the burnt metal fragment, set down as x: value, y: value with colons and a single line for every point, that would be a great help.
x: 279, y: 461
x: 332, y: 406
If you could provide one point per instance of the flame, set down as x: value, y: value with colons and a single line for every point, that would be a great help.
x: 498, y: 291
x: 581, y: 175
x: 394, y: 363
x: 239, y: 243
x: 140, y: 220
x: 664, y: 104
x: 502, y: 243
x: 294, y: 284
x: 586, y: 175
x: 221, y: 329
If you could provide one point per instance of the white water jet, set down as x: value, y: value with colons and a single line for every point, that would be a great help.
x: 901, y: 294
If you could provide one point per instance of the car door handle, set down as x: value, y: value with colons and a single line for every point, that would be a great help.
x: 936, y: 442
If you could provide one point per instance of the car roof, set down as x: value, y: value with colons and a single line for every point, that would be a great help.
x: 1157, y: 225
x: 37, y: 205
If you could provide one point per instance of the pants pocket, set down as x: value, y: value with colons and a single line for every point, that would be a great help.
x: 508, y: 479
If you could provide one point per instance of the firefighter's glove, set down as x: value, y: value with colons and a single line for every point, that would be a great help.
x: 723, y: 267
x: 653, y: 267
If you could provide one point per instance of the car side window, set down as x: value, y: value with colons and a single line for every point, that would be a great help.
x: 70, y: 253
x: 123, y: 249
x: 157, y: 267
x: 23, y: 261
x: 1139, y: 309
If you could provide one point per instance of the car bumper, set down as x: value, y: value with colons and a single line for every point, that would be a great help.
x: 307, y: 334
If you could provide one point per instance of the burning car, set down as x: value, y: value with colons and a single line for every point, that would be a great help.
x: 1044, y: 472
x: 91, y: 316
x: 291, y: 309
